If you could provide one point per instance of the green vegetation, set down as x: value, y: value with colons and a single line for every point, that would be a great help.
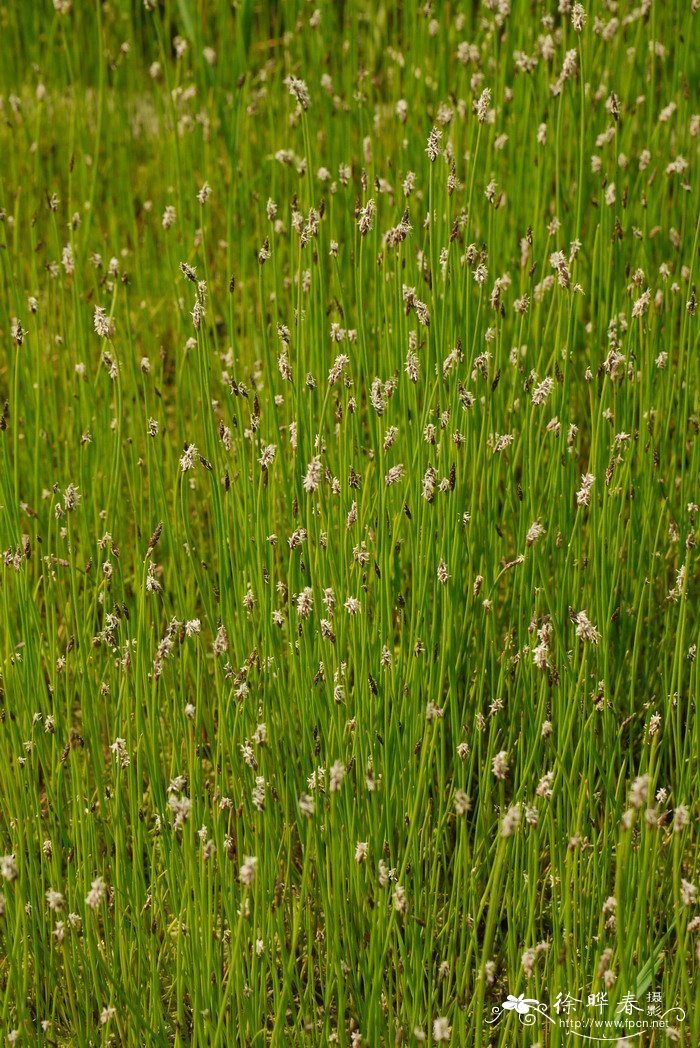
x: 348, y: 501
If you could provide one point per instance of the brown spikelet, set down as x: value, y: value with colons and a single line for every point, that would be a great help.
x: 153, y: 541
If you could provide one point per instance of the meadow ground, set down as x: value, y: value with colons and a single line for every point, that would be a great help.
x: 348, y: 504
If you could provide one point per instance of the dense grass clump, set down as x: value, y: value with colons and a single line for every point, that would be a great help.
x: 348, y: 501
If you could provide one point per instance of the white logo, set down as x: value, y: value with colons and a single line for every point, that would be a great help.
x: 595, y: 1019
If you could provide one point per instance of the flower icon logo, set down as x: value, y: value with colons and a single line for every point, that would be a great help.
x: 520, y: 1004
x: 524, y: 1007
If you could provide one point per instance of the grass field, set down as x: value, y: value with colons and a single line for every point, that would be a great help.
x: 349, y: 484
